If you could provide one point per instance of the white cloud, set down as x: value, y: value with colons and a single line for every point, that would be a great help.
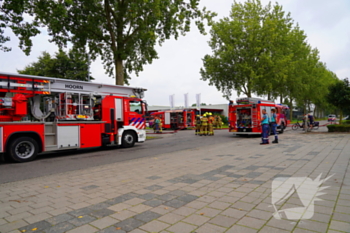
x: 177, y: 69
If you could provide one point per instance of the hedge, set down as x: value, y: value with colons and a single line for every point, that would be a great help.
x: 338, y: 128
x: 346, y: 122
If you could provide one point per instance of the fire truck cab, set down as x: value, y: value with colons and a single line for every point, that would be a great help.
x: 244, y: 117
x: 39, y: 114
x: 176, y: 119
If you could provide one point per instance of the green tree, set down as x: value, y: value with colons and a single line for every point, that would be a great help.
x: 251, y: 51
x: 124, y: 33
x: 339, y: 96
x: 277, y: 54
x: 259, y: 50
x: 202, y: 104
x: 237, y: 44
x: 12, y: 17
x: 292, y: 86
x: 68, y: 66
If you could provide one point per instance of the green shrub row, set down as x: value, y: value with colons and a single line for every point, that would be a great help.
x: 339, y: 128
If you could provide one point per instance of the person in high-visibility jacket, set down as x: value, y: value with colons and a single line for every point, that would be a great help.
x: 204, y: 125
x: 273, y: 125
x: 210, y: 124
x: 156, y: 124
x: 265, y: 128
x: 198, y: 125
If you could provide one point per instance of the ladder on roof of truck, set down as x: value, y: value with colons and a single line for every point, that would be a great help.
x: 28, y: 84
x: 24, y: 85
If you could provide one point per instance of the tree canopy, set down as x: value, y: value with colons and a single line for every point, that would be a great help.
x: 124, y: 33
x: 12, y: 15
x: 339, y: 96
x: 68, y: 66
x: 259, y: 50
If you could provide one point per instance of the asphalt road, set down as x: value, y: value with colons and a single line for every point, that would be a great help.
x: 52, y: 163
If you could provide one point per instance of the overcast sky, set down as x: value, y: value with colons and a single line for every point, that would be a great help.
x: 326, y: 24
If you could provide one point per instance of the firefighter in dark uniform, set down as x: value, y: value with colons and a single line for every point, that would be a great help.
x: 265, y: 128
x: 198, y: 125
x: 273, y: 123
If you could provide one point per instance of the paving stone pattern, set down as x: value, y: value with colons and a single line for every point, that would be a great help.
x: 206, y: 190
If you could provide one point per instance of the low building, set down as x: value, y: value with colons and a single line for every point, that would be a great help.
x: 213, y: 108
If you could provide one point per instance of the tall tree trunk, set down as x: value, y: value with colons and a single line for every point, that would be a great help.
x: 291, y: 109
x: 119, y: 72
x: 341, y: 116
x: 246, y: 90
x: 118, y: 62
x: 268, y: 96
x: 281, y: 99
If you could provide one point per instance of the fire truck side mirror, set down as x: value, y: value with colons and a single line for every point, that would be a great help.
x: 254, y: 105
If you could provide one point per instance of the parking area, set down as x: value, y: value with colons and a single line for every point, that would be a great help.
x: 227, y: 186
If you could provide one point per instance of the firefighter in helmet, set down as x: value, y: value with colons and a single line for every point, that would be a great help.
x: 214, y: 122
x: 210, y: 124
x: 218, y: 121
x: 204, y: 125
x: 198, y: 125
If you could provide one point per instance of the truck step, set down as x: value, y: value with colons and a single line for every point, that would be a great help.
x: 50, y: 134
x: 51, y: 147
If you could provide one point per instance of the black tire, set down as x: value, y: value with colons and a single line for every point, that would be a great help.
x: 128, y: 139
x: 295, y: 127
x: 282, y: 128
x: 23, y: 149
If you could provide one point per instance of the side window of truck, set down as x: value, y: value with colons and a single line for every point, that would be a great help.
x: 136, y: 106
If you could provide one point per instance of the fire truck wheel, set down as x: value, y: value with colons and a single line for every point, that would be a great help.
x: 128, y: 139
x: 282, y: 128
x: 23, y: 149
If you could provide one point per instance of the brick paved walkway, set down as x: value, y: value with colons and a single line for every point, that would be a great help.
x: 222, y: 188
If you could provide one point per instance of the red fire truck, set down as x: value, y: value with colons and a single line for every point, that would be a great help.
x: 39, y: 114
x: 244, y: 117
x: 176, y: 119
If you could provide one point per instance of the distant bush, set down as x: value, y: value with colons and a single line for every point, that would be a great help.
x: 346, y: 122
x: 339, y: 128
x: 224, y: 119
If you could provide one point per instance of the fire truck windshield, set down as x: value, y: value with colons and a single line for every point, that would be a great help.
x: 136, y: 106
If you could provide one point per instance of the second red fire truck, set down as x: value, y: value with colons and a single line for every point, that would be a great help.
x: 39, y: 114
x: 244, y: 117
x: 176, y: 119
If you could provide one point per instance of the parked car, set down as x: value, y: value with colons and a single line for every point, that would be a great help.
x: 331, y: 118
